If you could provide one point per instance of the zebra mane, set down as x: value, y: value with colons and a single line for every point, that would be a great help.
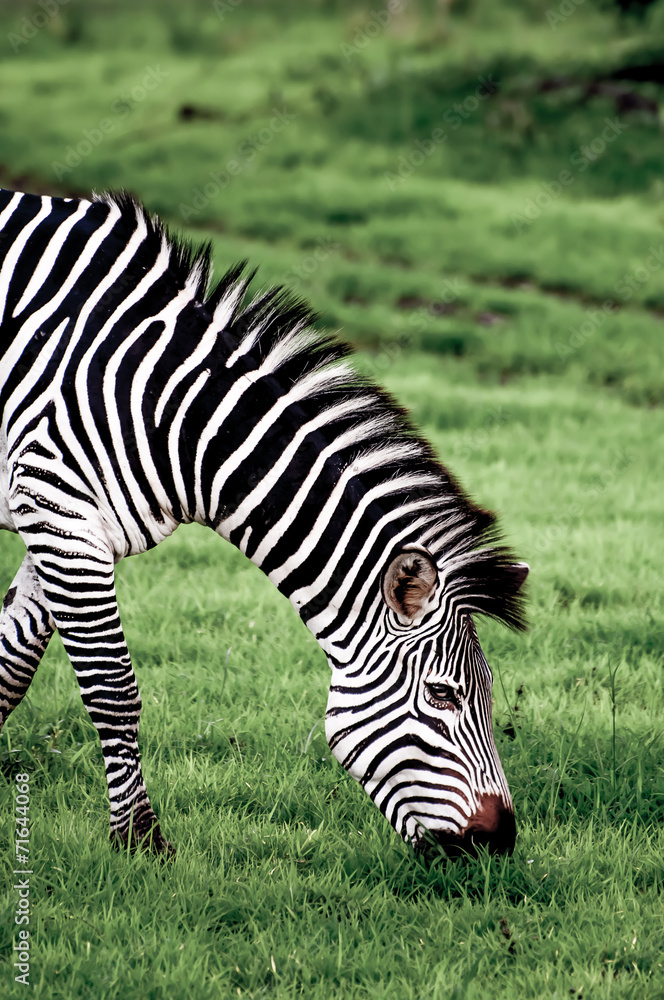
x: 461, y: 534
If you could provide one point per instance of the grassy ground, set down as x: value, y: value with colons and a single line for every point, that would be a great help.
x: 525, y: 334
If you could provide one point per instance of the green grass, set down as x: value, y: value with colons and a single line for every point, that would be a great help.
x: 280, y: 854
x: 547, y: 405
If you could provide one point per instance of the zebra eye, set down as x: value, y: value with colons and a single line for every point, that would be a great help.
x: 442, y: 696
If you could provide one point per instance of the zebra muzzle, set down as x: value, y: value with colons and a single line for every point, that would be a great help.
x: 492, y: 826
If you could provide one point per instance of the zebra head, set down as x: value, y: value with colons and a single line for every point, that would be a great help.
x: 410, y: 718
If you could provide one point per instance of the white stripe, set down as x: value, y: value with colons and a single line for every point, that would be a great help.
x: 363, y: 463
x: 277, y: 531
x: 42, y: 269
x: 169, y: 316
x: 13, y: 355
x: 174, y: 440
x: 282, y: 465
x: 308, y: 386
x: 16, y: 249
x: 202, y: 351
x: 37, y: 368
x: 269, y: 365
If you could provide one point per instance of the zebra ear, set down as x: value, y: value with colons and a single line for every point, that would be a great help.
x: 409, y: 581
x: 519, y: 571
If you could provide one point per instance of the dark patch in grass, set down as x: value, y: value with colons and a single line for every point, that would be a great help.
x: 435, y: 308
x: 525, y: 100
x: 457, y: 344
x: 345, y: 216
x: 490, y: 318
x: 591, y: 597
x: 519, y: 280
x: 194, y: 112
x: 594, y: 599
x: 396, y: 260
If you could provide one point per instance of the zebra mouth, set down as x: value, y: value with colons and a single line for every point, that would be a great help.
x: 465, y: 847
x: 493, y: 827
x: 434, y: 844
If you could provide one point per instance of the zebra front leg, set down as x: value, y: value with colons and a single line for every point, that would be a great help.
x: 25, y: 628
x: 80, y: 591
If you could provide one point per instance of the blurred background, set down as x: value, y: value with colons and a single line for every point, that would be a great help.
x: 449, y: 176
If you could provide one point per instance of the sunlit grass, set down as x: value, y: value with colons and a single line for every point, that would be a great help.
x: 286, y: 877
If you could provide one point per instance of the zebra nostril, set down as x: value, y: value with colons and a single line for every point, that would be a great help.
x: 489, y: 816
x: 492, y: 826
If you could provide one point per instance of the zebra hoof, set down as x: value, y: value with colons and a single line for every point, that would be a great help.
x: 151, y: 841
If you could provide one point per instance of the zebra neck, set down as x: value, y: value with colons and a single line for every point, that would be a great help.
x: 311, y: 493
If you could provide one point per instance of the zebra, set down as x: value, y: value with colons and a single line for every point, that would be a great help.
x: 135, y: 396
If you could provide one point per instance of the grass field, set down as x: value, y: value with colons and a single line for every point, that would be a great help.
x: 522, y: 326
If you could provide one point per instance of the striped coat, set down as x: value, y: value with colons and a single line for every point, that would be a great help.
x: 134, y: 397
